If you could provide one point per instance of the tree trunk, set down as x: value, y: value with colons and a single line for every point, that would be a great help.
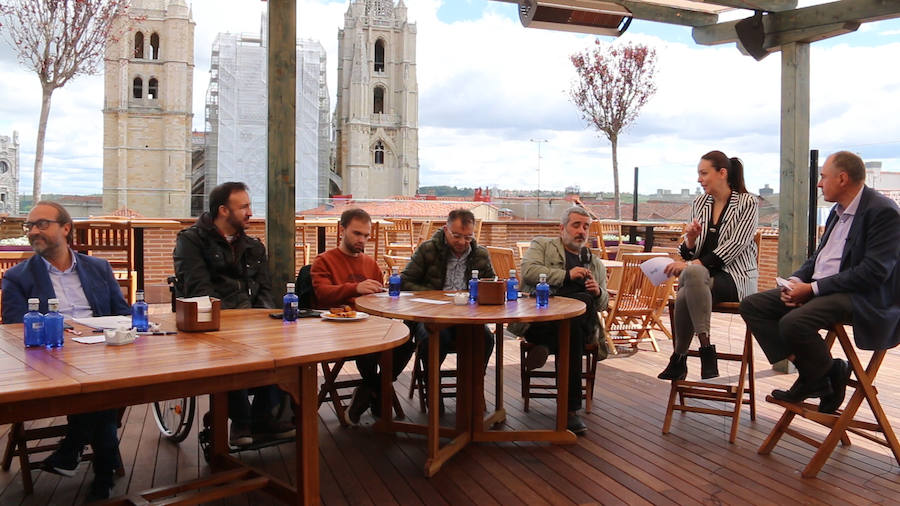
x: 615, y: 159
x: 39, y: 149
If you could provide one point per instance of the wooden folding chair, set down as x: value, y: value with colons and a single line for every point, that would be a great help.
x: 336, y: 391
x: 545, y: 388
x: 11, y: 258
x: 637, y: 307
x: 613, y: 229
x: 113, y: 241
x: 400, y: 238
x: 391, y: 261
x: 522, y: 246
x: 845, y: 420
x: 301, y: 244
x: 477, y: 232
x: 735, y: 394
x: 502, y: 261
x: 424, y: 232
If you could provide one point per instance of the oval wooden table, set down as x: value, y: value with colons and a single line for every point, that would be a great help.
x: 436, y: 309
x: 249, y: 350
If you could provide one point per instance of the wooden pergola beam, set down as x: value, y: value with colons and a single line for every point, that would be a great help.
x: 755, y: 5
x: 814, y: 19
x: 647, y: 12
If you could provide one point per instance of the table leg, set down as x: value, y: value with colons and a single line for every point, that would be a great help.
x: 432, y: 386
x: 632, y: 234
x: 139, y: 256
x: 307, y: 444
x: 499, y: 415
x: 470, y: 380
x: 387, y: 391
x: 648, y: 238
x: 218, y: 412
x: 562, y: 375
x: 320, y: 240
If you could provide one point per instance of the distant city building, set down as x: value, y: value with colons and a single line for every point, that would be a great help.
x: 9, y: 174
x: 147, y: 112
x: 880, y: 179
x: 766, y: 191
x: 376, y: 117
x: 237, y: 117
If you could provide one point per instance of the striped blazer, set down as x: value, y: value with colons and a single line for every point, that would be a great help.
x: 736, y: 251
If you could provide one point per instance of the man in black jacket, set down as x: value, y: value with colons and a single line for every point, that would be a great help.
x: 215, y: 257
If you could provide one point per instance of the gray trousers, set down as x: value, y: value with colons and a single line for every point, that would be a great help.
x: 782, y: 331
x: 697, y: 291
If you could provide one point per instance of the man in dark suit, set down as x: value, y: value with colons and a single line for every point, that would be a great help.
x: 85, y: 286
x: 854, y: 276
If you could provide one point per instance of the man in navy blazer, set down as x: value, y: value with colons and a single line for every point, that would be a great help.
x: 85, y: 286
x: 853, y: 277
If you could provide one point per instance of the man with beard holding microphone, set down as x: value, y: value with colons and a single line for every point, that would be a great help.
x: 571, y: 272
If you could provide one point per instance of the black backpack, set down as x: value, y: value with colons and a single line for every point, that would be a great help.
x: 305, y: 287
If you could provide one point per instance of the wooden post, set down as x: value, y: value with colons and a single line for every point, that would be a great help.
x: 794, y: 192
x: 282, y: 83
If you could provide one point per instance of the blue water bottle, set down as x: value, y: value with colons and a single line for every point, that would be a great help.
x: 512, y: 286
x: 473, y: 287
x: 291, y: 304
x: 543, y: 292
x: 34, y: 324
x: 53, y: 325
x: 139, y: 313
x: 395, y: 282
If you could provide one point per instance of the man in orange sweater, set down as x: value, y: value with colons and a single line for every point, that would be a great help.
x: 339, y: 276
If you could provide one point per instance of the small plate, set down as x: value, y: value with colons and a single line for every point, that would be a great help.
x: 359, y: 316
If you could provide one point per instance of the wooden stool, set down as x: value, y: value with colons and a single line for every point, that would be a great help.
x: 329, y: 391
x: 17, y: 445
x: 736, y: 394
x: 548, y: 390
x: 844, y: 420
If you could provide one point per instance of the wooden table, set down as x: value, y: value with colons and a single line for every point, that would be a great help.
x: 648, y: 227
x: 470, y: 319
x: 250, y: 350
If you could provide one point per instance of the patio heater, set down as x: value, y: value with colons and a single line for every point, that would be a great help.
x: 583, y: 16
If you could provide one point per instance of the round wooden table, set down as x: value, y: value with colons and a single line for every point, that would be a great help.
x: 437, y: 310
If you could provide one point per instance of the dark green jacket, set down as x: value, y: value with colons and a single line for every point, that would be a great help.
x: 428, y: 266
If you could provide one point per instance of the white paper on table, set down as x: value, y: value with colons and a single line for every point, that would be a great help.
x: 90, y: 339
x: 105, y: 322
x: 429, y: 301
x: 204, y: 307
x: 654, y: 269
x: 386, y: 294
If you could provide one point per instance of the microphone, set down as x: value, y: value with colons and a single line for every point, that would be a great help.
x: 586, y: 257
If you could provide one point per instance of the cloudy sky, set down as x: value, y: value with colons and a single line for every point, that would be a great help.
x: 487, y: 85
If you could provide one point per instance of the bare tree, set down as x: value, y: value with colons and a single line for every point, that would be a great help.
x: 58, y: 40
x: 614, y: 82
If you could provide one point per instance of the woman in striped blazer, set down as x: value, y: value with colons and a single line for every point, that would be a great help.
x: 719, y: 259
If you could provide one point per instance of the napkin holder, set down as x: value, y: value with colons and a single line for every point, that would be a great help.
x: 186, y: 316
x: 491, y: 292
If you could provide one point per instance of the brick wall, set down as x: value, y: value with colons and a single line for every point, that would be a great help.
x: 158, y: 246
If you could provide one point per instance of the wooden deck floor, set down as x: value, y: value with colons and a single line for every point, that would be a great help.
x: 624, y: 458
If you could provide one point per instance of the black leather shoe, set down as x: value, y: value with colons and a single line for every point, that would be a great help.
x: 839, y: 375
x: 709, y: 362
x: 802, y: 390
x: 677, y: 368
x: 574, y: 424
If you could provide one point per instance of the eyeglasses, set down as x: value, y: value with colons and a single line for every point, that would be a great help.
x: 40, y: 224
x: 467, y: 238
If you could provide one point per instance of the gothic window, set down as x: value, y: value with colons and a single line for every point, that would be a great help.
x: 138, y: 88
x: 139, y: 45
x: 379, y: 153
x: 153, y: 88
x: 4, y: 167
x: 378, y: 105
x: 379, y: 55
x: 154, y: 46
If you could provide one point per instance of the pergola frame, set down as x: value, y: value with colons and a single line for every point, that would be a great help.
x: 785, y: 28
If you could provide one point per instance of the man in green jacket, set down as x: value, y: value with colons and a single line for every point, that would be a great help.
x: 446, y: 262
x: 571, y: 272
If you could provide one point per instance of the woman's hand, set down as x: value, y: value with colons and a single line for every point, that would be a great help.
x: 675, y: 268
x: 691, y: 233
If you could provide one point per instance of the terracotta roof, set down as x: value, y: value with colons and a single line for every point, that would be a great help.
x: 398, y: 208
x: 127, y: 213
x: 651, y: 210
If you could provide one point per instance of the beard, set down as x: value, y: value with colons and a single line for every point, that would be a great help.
x: 235, y: 223
x: 353, y: 248
x: 574, y: 243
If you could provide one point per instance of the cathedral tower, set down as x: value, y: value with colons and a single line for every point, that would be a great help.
x: 147, y: 111
x: 376, y: 116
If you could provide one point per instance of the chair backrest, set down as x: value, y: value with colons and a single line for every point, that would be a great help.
x: 477, y: 232
x: 11, y: 258
x: 113, y: 241
x: 672, y: 252
x: 305, y: 291
x: 424, y: 232
x: 627, y: 248
x: 611, y: 228
x: 401, y: 234
x: 595, y: 230
x: 392, y: 260
x: 522, y: 246
x: 502, y: 260
x: 636, y: 292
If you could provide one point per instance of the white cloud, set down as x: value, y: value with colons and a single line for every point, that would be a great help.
x: 487, y: 85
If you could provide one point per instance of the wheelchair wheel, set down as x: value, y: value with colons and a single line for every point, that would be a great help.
x: 175, y: 417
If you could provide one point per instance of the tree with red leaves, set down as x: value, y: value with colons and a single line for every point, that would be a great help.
x: 614, y: 82
x: 58, y: 40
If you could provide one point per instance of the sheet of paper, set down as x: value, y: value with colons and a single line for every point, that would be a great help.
x: 654, y: 267
x: 429, y: 301
x: 105, y: 322
x: 90, y: 339
x: 204, y: 307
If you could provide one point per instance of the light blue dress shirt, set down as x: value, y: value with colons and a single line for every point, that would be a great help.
x: 73, y: 303
x: 828, y: 262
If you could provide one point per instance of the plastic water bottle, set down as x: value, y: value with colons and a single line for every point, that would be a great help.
x: 34, y: 324
x: 395, y: 282
x: 512, y: 286
x: 291, y: 304
x: 53, y: 325
x: 139, y: 313
x: 543, y: 292
x: 473, y: 286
